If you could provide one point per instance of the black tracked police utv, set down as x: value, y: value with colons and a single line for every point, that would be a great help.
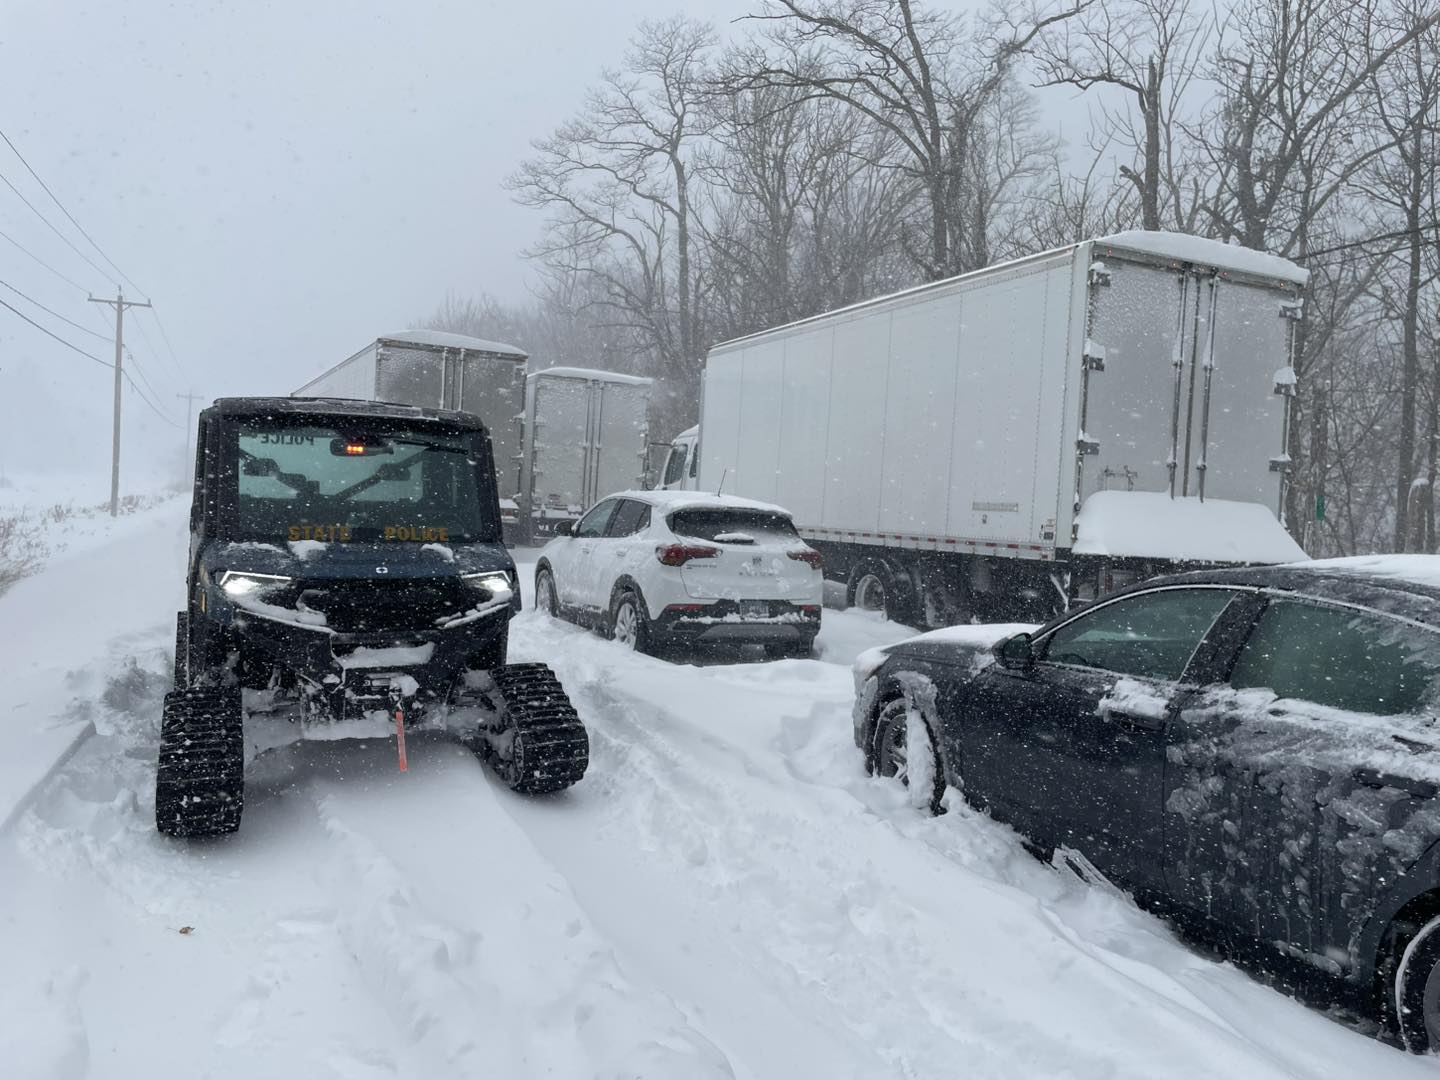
x: 346, y: 568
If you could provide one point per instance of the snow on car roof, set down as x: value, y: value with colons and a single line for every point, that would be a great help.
x: 1403, y: 569
x: 1183, y: 247
x: 1151, y: 523
x: 447, y: 340
x: 686, y: 500
x: 590, y: 373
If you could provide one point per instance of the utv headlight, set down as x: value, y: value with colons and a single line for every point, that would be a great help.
x: 239, y: 583
x: 493, y: 581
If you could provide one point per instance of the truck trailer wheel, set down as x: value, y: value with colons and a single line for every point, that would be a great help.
x: 200, y: 774
x: 875, y: 585
x: 536, y: 742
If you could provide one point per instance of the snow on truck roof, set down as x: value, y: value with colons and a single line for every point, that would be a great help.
x: 590, y: 374
x: 446, y: 340
x: 1180, y: 247
x: 689, y: 500
x: 1153, y: 524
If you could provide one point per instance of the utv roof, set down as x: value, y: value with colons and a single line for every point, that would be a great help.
x: 345, y: 407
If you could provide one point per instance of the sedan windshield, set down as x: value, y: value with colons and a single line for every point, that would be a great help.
x: 318, y: 482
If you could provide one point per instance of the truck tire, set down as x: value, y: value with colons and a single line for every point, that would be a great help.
x: 200, y: 774
x: 875, y: 585
x: 536, y: 743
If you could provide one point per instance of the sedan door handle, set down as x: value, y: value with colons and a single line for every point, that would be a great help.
x: 1136, y: 721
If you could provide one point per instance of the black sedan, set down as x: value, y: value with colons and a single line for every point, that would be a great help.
x: 1254, y: 750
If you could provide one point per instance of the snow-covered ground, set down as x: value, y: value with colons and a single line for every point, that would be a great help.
x: 726, y: 894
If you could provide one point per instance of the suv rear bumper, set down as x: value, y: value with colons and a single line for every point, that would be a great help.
x: 722, y: 621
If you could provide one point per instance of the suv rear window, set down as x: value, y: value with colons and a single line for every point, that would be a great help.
x: 721, y: 525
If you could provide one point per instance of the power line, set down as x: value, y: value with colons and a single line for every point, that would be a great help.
x: 166, y: 337
x: 153, y: 407
x: 42, y: 262
x: 57, y: 337
x: 70, y: 217
x: 49, y: 225
x: 150, y: 345
x: 56, y: 314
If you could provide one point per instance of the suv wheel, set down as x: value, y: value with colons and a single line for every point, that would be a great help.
x: 905, y: 749
x: 628, y: 624
x: 546, y: 598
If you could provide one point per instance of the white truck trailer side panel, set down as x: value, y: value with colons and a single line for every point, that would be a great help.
x: 942, y: 413
x: 353, y: 378
x: 804, y: 425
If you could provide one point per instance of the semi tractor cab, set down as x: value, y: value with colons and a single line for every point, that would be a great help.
x: 682, y: 462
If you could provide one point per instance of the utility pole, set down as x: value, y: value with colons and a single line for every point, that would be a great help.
x: 119, y: 304
x: 190, y: 400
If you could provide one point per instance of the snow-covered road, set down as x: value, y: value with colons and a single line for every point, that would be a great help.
x: 725, y: 894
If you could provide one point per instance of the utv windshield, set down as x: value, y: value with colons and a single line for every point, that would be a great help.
x: 365, y: 482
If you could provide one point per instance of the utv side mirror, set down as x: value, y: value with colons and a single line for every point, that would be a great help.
x: 1016, y: 653
x: 564, y: 528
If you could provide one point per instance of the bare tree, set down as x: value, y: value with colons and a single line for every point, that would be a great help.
x: 618, y: 184
x: 1149, y: 50
x: 917, y: 74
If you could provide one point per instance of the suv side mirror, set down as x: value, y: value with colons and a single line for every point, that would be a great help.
x: 1016, y: 653
x: 564, y: 528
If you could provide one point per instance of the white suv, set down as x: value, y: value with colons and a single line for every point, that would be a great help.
x: 667, y: 568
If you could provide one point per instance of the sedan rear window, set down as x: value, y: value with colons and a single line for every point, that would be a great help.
x: 1340, y: 658
x: 721, y: 525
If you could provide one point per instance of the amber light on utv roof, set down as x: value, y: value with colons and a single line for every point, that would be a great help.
x: 680, y: 554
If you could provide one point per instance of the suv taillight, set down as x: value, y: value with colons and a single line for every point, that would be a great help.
x: 680, y: 554
x: 807, y: 555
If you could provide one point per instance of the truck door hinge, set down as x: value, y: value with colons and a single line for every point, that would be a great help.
x: 1094, y: 356
x: 1086, y: 445
x: 1280, y: 463
x: 1099, y: 273
x: 1292, y: 309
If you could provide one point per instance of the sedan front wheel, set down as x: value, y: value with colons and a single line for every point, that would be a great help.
x: 905, y: 748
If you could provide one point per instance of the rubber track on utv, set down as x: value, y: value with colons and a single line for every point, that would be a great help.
x: 200, y: 777
x: 549, y: 748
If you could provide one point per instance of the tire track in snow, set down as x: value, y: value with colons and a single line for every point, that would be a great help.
x: 928, y: 939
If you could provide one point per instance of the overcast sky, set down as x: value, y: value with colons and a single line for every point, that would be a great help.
x: 284, y: 179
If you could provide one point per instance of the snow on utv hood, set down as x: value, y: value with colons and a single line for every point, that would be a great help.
x: 1152, y: 525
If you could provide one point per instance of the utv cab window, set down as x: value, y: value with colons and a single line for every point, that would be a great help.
x: 1149, y: 635
x: 593, y: 524
x: 1340, y: 658
x: 318, y: 481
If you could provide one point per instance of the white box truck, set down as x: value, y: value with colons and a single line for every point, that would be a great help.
x: 998, y: 444
x: 448, y: 371
x: 586, y: 435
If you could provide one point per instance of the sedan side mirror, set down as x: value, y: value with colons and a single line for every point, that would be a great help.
x: 1016, y: 653
x: 564, y: 528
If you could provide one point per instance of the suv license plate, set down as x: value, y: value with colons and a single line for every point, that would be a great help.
x: 754, y: 609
